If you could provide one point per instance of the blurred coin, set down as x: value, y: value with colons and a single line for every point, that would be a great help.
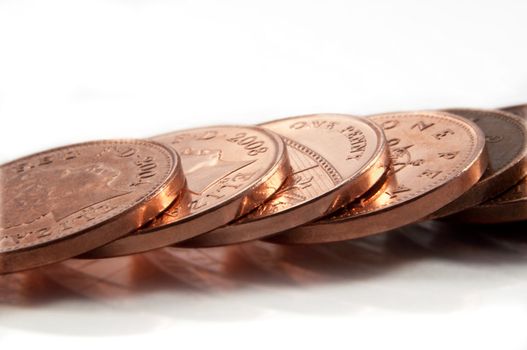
x: 507, y: 207
x: 230, y: 170
x: 506, y: 140
x: 436, y: 157
x: 335, y: 158
x: 519, y: 110
x: 63, y: 202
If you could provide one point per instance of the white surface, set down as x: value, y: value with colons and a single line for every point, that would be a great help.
x: 78, y: 70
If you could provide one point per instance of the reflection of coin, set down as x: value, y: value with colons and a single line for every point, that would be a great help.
x: 436, y: 157
x: 334, y: 158
x: 230, y: 170
x: 507, y: 207
x: 66, y: 201
x: 506, y: 140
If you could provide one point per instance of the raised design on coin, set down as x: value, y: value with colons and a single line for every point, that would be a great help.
x: 230, y: 170
x: 62, y: 202
x: 508, y: 207
x: 335, y: 158
x: 436, y: 157
x: 506, y: 140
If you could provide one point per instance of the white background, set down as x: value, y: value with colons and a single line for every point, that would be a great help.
x: 73, y: 71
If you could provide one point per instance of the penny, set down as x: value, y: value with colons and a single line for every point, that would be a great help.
x: 63, y: 202
x: 230, y: 170
x: 519, y: 110
x: 334, y: 158
x: 436, y: 157
x: 506, y: 140
x: 508, y: 207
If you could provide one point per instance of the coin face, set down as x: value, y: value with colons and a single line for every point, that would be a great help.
x: 230, y: 170
x: 506, y: 140
x: 508, y: 207
x: 63, y: 202
x: 334, y: 159
x: 436, y: 157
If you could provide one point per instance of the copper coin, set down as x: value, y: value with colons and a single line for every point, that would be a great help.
x: 335, y: 158
x: 230, y: 170
x: 436, y: 157
x: 63, y: 202
x: 507, y: 207
x: 519, y: 110
x: 506, y: 140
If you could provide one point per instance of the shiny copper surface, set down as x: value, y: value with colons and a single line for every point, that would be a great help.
x: 230, y: 170
x: 436, y: 157
x: 335, y: 158
x: 507, y: 207
x: 63, y: 202
x: 506, y: 140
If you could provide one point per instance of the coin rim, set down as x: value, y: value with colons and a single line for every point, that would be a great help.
x: 353, y: 186
x: 70, y: 245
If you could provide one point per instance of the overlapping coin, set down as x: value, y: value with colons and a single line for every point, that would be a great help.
x: 506, y: 140
x: 509, y: 206
x: 63, y: 202
x: 230, y: 170
x: 299, y: 180
x: 436, y: 157
x: 334, y: 159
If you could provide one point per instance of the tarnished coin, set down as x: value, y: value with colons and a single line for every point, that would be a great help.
x: 507, y: 207
x: 436, y: 157
x: 230, y: 170
x: 335, y: 158
x: 63, y: 202
x: 519, y: 110
x: 506, y: 140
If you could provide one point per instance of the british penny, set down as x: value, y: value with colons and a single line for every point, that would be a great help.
x: 508, y: 207
x: 63, y: 202
x: 230, y: 170
x: 506, y: 140
x: 436, y: 157
x: 335, y: 158
x: 519, y: 110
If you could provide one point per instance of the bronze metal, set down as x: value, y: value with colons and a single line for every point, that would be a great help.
x: 506, y: 140
x: 507, y: 207
x: 63, y: 202
x: 519, y: 110
x: 230, y: 170
x: 436, y: 157
x: 335, y: 158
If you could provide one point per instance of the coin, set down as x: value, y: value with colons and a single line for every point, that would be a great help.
x: 507, y: 207
x: 230, y: 170
x: 63, y: 202
x: 335, y: 158
x: 436, y: 157
x: 519, y: 110
x: 506, y: 140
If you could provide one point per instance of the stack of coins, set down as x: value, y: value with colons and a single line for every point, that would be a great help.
x: 301, y: 180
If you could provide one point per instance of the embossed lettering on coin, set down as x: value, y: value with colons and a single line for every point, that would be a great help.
x: 66, y: 192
